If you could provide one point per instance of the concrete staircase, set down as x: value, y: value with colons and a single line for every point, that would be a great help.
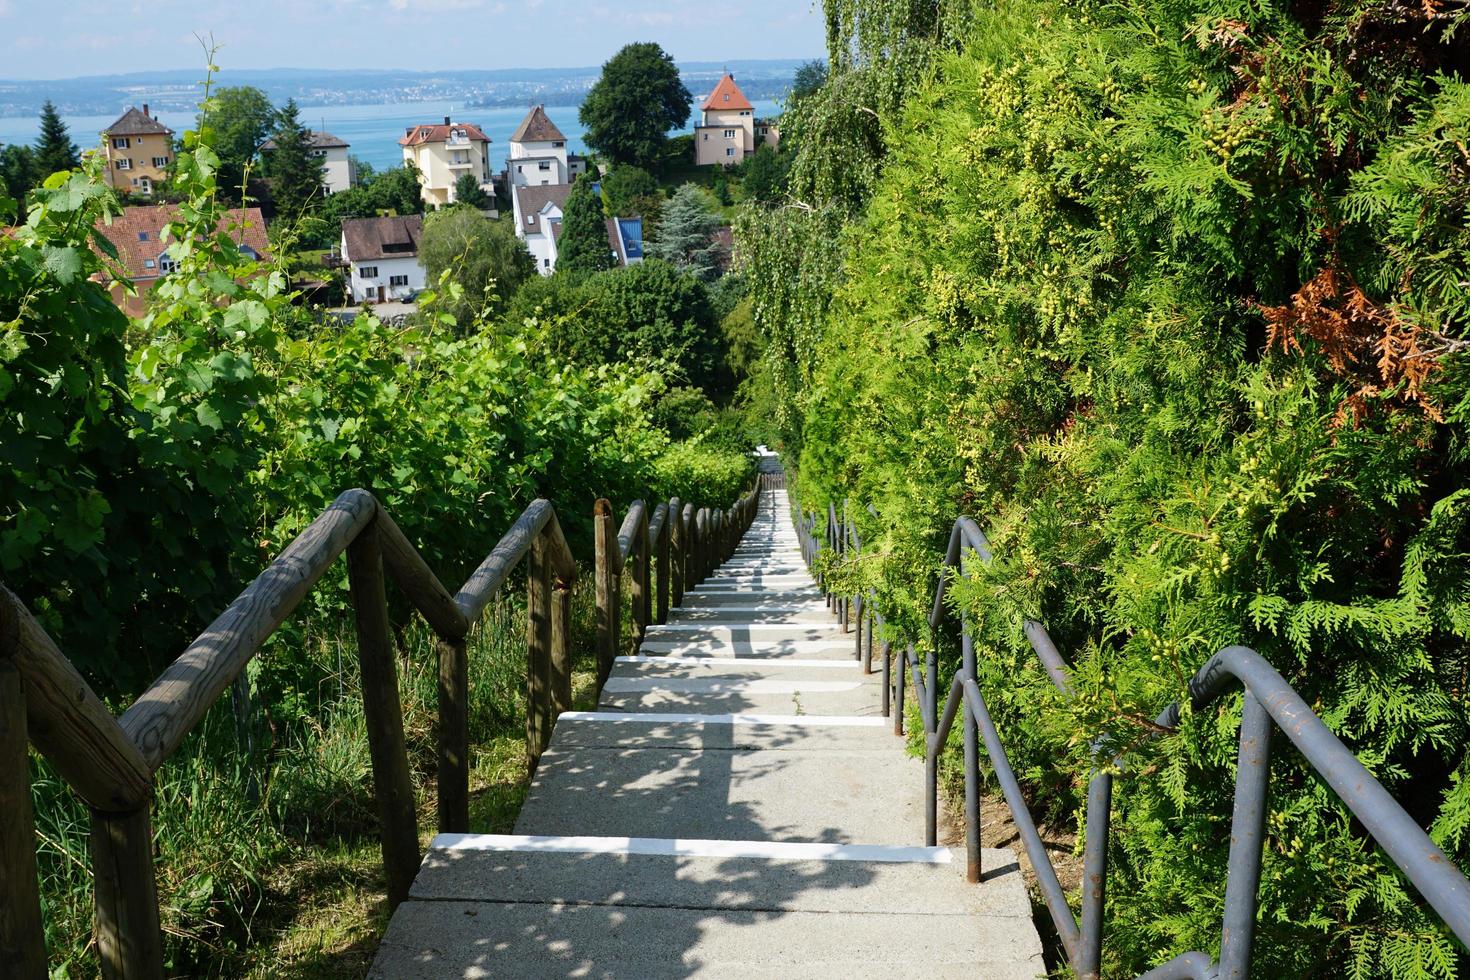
x: 736, y: 807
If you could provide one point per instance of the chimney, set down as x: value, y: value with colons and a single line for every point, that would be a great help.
x: 145, y: 108
x: 446, y: 120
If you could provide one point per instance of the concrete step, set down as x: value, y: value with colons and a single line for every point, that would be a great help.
x: 432, y: 940
x: 720, y: 580
x: 770, y: 613
x: 740, y: 692
x: 695, y: 647
x: 837, y: 796
x: 778, y: 733
x: 751, y: 632
x: 797, y: 599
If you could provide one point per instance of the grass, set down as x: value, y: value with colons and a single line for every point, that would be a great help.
x: 268, y: 866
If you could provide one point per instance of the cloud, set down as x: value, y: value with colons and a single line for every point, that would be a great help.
x: 433, y: 6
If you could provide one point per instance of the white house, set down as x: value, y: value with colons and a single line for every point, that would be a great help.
x: 445, y: 153
x: 337, y: 172
x: 538, y: 213
x: 538, y: 154
x: 382, y: 258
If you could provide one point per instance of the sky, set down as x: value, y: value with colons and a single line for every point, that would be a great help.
x: 70, y: 38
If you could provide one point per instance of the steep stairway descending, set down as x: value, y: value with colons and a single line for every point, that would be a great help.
x: 735, y: 807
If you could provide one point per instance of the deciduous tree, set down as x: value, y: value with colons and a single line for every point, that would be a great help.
x: 483, y: 257
x: 467, y: 191
x: 630, y: 110
x: 236, y: 121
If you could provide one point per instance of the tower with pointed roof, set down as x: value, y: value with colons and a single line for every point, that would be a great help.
x: 538, y: 154
x: 729, y: 131
x: 139, y: 149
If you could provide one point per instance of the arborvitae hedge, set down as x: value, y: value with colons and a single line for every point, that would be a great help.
x: 1174, y: 299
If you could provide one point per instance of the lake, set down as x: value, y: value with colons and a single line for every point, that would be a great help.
x: 373, y: 130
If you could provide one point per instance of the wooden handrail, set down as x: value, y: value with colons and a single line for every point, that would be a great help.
x: 110, y: 762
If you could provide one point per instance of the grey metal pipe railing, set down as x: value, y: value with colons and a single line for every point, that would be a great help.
x: 1268, y: 702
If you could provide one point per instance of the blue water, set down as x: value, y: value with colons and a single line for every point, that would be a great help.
x: 373, y: 130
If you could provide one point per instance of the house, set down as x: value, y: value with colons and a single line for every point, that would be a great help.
x: 337, y: 170
x: 139, y: 149
x: 538, y: 213
x: 138, y: 234
x: 538, y: 154
x: 382, y: 258
x: 445, y: 153
x: 728, y: 130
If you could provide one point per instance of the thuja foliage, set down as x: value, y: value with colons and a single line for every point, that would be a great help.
x: 1172, y: 298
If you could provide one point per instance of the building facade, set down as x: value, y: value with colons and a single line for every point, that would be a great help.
x: 728, y: 129
x: 538, y: 154
x: 382, y: 258
x: 139, y: 234
x: 337, y: 170
x: 139, y: 149
x: 443, y: 154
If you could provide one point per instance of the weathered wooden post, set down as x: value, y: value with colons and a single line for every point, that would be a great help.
x: 561, y: 650
x: 383, y: 713
x: 129, y: 939
x: 22, y: 938
x: 454, y: 736
x: 538, y: 649
x: 661, y: 547
x: 607, y: 570
x: 676, y: 552
x: 701, y: 545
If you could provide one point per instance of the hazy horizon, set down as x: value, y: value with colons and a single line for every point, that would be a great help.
x: 47, y: 44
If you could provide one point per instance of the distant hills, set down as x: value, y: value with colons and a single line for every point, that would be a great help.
x: 179, y: 90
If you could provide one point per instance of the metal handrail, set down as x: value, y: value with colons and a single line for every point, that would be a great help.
x: 1268, y: 701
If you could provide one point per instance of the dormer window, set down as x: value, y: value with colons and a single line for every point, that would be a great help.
x: 166, y: 264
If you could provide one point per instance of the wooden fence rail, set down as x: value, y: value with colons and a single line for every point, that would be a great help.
x: 110, y: 762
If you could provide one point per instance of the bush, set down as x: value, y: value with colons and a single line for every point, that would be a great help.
x: 703, y: 474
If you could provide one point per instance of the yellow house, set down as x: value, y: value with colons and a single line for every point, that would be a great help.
x: 139, y: 149
x: 443, y: 154
x: 728, y: 131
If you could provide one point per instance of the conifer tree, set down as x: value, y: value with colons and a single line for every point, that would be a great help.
x: 296, y: 175
x: 686, y: 234
x: 54, y: 148
x: 583, y: 246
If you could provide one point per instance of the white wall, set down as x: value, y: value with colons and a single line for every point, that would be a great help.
x: 364, y: 288
x: 526, y: 171
x: 336, y: 170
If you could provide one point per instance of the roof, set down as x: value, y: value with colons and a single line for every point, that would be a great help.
x: 536, y: 127
x: 417, y: 135
x: 533, y: 199
x: 625, y: 237
x: 318, y: 140
x: 137, y: 234
x: 135, y: 123
x: 366, y: 239
x: 727, y: 95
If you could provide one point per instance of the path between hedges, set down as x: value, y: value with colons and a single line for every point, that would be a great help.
x: 735, y: 807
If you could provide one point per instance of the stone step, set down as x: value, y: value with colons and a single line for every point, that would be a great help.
x: 836, y: 796
x: 751, y: 632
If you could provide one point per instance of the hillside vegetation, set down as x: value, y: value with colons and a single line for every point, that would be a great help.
x: 1173, y: 298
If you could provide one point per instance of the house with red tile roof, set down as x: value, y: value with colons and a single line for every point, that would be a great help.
x: 728, y: 130
x: 139, y: 235
x: 443, y: 154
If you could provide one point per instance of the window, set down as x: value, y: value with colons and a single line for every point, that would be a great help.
x: 729, y: 151
x: 544, y: 165
x: 119, y: 142
x: 545, y: 182
x: 142, y: 236
x: 249, y: 252
x: 745, y: 112
x: 558, y: 143
x: 546, y: 263
x: 124, y: 164
x: 398, y: 280
x: 149, y: 264
x: 520, y: 169
x: 160, y: 162
x: 166, y: 264
x: 706, y: 137
x: 530, y: 219
x: 729, y: 134
x: 367, y: 272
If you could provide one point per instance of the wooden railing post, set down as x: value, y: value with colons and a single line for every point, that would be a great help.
x: 676, y: 552
x: 607, y: 572
x: 661, y: 549
x: 690, y: 570
x: 129, y: 940
x: 454, y: 736
x: 642, y: 600
x: 701, y: 545
x: 383, y: 712
x: 22, y: 939
x: 561, y: 650
x: 538, y: 649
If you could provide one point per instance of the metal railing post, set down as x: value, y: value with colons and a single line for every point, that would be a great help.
x: 1247, y: 837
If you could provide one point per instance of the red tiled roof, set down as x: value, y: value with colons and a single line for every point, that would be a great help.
x: 727, y: 95
x: 137, y: 234
x: 537, y: 127
x: 438, y: 134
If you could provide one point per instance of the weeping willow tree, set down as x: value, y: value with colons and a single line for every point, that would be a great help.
x: 1175, y: 298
